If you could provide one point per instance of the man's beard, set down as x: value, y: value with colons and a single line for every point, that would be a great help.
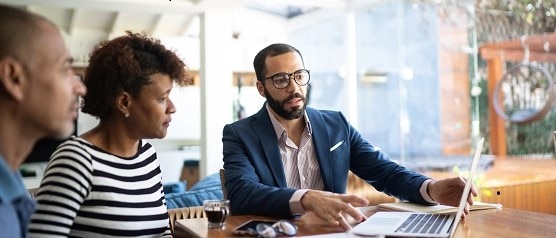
x: 278, y: 106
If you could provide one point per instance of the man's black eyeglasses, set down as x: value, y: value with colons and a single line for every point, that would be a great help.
x: 282, y: 80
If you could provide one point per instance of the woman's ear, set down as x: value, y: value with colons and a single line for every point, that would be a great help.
x: 123, y: 103
x: 12, y: 78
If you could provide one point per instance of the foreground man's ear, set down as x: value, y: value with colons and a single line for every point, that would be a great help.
x: 12, y: 79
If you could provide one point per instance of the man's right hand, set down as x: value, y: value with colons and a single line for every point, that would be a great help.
x: 330, y: 207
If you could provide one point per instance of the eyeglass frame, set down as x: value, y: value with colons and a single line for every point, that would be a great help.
x: 289, y: 78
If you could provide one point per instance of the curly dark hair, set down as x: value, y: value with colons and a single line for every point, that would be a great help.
x: 124, y: 64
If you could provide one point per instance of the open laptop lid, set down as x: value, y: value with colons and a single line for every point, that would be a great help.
x: 467, y: 188
x: 388, y: 223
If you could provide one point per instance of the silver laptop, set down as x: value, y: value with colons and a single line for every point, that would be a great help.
x: 414, y: 224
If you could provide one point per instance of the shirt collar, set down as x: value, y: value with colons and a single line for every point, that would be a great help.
x: 279, y: 129
x: 11, y: 183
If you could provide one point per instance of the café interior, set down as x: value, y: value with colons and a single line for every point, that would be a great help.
x: 423, y: 80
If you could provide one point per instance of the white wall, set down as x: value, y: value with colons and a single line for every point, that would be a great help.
x: 257, y: 30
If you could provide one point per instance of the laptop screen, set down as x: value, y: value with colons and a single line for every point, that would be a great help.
x: 467, y: 189
x: 414, y: 224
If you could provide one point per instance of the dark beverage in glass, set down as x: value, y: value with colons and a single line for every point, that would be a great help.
x: 216, y: 215
x: 216, y: 212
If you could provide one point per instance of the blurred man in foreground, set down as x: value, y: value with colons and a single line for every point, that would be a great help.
x: 38, y: 98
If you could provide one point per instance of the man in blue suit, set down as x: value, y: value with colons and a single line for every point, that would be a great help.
x: 288, y: 159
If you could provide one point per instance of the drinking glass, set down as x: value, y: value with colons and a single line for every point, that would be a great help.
x: 217, y: 211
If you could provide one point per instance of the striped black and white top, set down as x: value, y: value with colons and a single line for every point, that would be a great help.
x: 88, y: 192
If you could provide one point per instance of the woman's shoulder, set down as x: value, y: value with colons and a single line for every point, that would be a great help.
x: 72, y: 143
x: 74, y: 147
x: 77, y: 144
x: 72, y: 155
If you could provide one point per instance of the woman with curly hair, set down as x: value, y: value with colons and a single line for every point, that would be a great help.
x: 107, y: 181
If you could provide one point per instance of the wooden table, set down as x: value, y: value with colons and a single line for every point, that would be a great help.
x: 524, y: 184
x: 504, y: 222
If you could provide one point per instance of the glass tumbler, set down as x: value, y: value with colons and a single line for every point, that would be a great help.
x: 217, y: 211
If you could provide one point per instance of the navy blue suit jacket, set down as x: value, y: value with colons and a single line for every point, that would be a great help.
x: 254, y: 173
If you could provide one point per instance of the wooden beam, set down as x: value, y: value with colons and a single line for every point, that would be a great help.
x: 516, y: 55
x: 217, y: 4
x: 157, y: 25
x: 73, y: 21
x: 116, y: 22
x: 187, y: 24
x: 496, y: 123
x: 317, y: 16
x: 335, y: 4
x: 536, y: 43
x: 134, y: 6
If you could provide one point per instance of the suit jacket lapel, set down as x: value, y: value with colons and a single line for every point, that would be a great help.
x: 269, y: 142
x: 321, y: 143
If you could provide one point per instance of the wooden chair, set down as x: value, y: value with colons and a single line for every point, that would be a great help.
x: 185, y: 213
x: 33, y: 192
x: 358, y: 186
x: 223, y: 184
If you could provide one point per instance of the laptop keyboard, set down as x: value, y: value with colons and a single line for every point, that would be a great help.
x: 424, y: 223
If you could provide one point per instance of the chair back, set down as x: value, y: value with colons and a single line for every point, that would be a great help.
x: 223, y: 183
x: 185, y: 213
x: 33, y: 192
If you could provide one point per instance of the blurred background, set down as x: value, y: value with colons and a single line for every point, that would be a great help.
x: 421, y: 79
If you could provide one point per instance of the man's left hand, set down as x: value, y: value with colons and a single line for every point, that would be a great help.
x: 448, y: 192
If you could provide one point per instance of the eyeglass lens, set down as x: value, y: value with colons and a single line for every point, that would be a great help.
x: 266, y: 231
x: 282, y: 80
x: 285, y: 227
x: 282, y: 227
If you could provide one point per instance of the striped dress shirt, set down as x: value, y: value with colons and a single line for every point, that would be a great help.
x: 300, y: 163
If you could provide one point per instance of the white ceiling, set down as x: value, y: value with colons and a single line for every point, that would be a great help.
x: 84, y: 23
x: 166, y: 17
x: 157, y: 17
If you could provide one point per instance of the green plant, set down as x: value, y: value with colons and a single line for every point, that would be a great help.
x: 521, y: 139
x: 539, y: 15
x: 532, y: 138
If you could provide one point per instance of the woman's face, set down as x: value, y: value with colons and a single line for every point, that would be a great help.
x: 151, y: 111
